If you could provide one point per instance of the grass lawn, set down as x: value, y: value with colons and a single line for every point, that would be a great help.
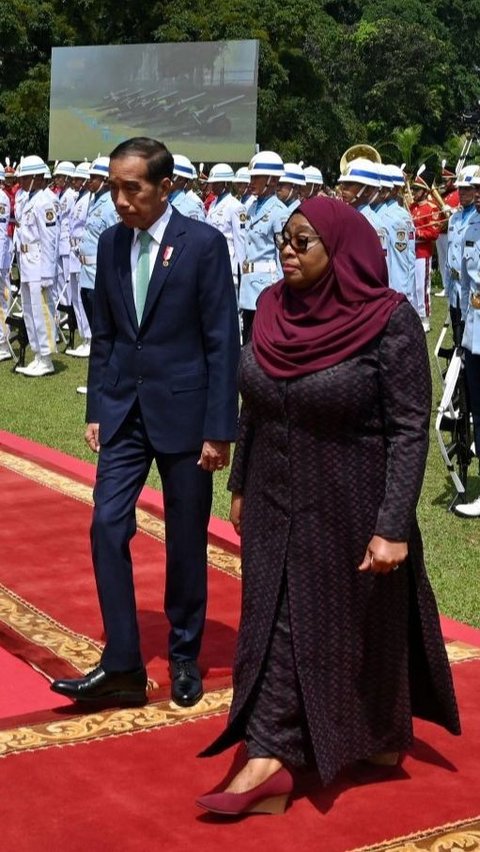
x: 49, y: 411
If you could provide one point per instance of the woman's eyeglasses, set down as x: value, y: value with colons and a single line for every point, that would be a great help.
x: 298, y: 242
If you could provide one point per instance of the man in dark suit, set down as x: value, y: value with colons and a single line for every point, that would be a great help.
x: 161, y: 385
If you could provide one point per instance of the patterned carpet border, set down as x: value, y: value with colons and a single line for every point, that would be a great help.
x: 464, y: 834
x: 146, y: 521
x: 110, y: 723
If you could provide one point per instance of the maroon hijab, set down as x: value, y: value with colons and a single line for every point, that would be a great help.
x: 301, y: 331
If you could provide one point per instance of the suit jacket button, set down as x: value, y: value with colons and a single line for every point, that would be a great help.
x: 139, y: 346
x: 140, y: 380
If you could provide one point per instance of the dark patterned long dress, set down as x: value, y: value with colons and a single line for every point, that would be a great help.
x: 331, y: 663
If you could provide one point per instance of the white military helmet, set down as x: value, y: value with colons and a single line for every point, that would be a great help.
x: 465, y: 176
x: 83, y: 170
x: 266, y: 163
x: 475, y: 181
x: 384, y: 175
x: 242, y: 175
x: 182, y: 167
x: 220, y: 173
x: 65, y: 167
x: 396, y: 174
x: 2, y: 172
x: 31, y: 165
x: 361, y: 170
x: 47, y: 173
x: 313, y: 175
x: 293, y: 173
x: 100, y: 167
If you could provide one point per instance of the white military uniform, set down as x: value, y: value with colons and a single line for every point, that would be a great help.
x: 470, y: 285
x: 228, y: 215
x: 66, y: 201
x: 261, y: 267
x: 37, y: 235
x: 101, y: 215
x: 401, y: 247
x: 5, y: 261
x: 78, y: 217
x: 457, y: 227
x: 376, y: 222
x: 184, y: 203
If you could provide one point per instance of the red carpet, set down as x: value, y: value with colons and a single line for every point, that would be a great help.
x: 129, y: 779
x: 49, y: 571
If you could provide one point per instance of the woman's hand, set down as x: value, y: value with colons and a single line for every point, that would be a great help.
x: 383, y: 556
x: 236, y: 507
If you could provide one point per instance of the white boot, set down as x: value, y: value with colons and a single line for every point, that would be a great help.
x: 5, y: 353
x: 468, y: 510
x: 43, y: 367
x: 426, y: 324
x: 82, y: 351
x: 28, y: 369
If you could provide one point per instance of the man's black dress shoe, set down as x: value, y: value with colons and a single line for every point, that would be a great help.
x: 187, y: 687
x: 106, y: 688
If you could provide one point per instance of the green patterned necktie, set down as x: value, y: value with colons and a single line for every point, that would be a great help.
x: 142, y: 277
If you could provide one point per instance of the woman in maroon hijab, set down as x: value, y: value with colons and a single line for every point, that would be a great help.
x: 339, y: 643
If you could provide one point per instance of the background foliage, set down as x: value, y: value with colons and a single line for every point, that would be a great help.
x: 332, y: 72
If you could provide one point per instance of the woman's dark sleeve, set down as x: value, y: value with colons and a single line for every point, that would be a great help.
x: 406, y: 400
x: 238, y: 473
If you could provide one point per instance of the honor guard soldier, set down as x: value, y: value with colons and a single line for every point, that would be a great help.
x: 457, y: 226
x: 425, y: 215
x: 180, y: 198
x: 313, y: 182
x: 62, y: 176
x: 470, y: 306
x: 78, y: 217
x: 400, y: 232
x: 101, y: 214
x: 5, y: 263
x: 37, y: 242
x: 228, y: 215
x: 241, y: 182
x: 291, y: 186
x: 266, y: 217
x: 359, y: 184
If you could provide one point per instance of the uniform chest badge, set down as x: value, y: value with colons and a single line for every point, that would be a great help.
x: 50, y: 215
x: 243, y: 217
x: 401, y: 235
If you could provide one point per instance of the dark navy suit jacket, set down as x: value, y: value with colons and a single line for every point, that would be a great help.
x: 181, y: 362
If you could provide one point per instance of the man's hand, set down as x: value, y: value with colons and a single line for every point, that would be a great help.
x: 383, y: 556
x: 215, y: 455
x: 92, y: 436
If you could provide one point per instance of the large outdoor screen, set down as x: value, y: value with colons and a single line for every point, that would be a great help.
x: 199, y: 98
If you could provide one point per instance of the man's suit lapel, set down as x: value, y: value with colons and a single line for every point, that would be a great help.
x: 169, y: 252
x: 125, y: 273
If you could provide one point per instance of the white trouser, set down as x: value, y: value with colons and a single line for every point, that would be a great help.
x: 423, y: 277
x: 39, y: 314
x: 82, y: 321
x: 62, y: 288
x: 4, y: 305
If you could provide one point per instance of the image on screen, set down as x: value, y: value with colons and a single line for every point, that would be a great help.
x: 199, y: 98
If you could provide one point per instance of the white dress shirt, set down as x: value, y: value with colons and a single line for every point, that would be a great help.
x: 156, y: 232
